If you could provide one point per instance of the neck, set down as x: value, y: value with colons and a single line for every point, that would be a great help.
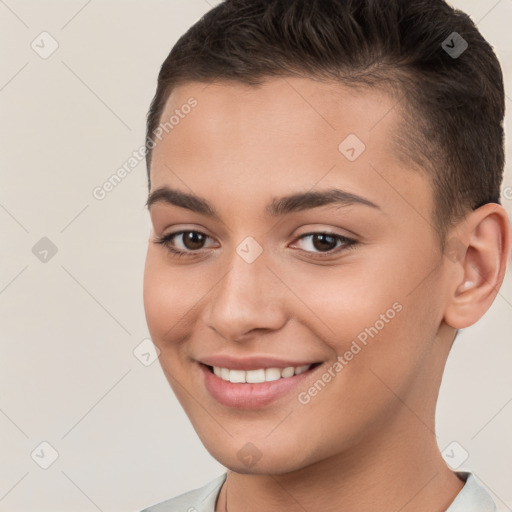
x: 406, y: 474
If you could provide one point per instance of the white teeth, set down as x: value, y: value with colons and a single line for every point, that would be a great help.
x: 272, y: 374
x: 236, y: 376
x: 288, y: 372
x: 255, y: 376
x: 301, y: 369
x: 260, y: 375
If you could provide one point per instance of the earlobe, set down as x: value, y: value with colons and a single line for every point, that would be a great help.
x: 483, y: 249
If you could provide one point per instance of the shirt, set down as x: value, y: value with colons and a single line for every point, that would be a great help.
x: 472, y: 498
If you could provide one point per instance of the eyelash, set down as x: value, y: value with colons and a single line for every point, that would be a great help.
x: 165, y: 240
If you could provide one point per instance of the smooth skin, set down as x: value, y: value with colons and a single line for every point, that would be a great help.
x: 366, y: 441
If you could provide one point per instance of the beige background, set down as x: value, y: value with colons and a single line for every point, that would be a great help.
x: 68, y: 374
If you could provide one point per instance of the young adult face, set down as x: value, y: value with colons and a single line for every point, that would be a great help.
x: 305, y: 298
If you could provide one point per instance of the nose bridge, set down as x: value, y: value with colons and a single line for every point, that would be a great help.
x: 246, y: 298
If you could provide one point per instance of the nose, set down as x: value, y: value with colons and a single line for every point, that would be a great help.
x: 249, y: 299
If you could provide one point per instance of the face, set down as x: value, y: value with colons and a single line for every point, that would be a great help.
x: 302, y: 309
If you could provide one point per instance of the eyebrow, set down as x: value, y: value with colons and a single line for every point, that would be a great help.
x: 278, y: 206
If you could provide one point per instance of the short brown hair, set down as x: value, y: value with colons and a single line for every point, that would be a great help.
x: 452, y: 105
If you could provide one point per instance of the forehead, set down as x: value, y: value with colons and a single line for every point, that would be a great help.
x: 291, y: 109
x: 287, y: 132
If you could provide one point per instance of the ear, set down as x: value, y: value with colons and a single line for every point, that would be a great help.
x: 477, y: 251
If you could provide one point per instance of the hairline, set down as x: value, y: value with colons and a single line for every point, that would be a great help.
x: 392, y: 81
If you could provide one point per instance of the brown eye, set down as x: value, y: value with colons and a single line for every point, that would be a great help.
x: 319, y: 243
x: 323, y: 242
x: 183, y: 243
x: 193, y: 240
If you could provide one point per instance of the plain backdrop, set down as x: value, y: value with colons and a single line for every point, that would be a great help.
x: 73, y: 394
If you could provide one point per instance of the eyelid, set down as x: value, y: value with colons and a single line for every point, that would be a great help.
x: 167, y: 238
x: 347, y: 243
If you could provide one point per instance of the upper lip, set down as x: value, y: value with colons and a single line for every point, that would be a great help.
x: 251, y: 363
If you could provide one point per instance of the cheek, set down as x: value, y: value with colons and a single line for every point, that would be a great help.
x: 347, y: 299
x: 371, y: 311
x: 168, y: 298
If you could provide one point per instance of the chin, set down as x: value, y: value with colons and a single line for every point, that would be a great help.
x: 276, y: 466
x: 257, y: 458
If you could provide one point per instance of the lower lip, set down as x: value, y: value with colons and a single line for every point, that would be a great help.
x: 251, y: 396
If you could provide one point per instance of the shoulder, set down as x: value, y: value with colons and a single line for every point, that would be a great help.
x: 198, y: 500
x: 473, y: 497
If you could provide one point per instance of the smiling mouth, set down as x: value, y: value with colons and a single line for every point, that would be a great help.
x: 260, y: 375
